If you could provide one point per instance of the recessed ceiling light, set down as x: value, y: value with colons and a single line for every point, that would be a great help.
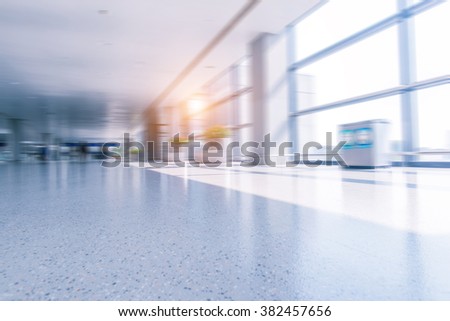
x: 103, y: 11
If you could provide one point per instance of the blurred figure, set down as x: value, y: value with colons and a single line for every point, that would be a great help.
x: 43, y: 151
x: 3, y: 145
x: 83, y: 148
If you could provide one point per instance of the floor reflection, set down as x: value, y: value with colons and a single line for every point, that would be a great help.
x: 73, y: 231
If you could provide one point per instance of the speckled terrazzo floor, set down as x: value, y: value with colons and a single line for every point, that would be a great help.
x: 71, y: 231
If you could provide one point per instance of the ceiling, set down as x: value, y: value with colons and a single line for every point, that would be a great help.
x: 92, y: 66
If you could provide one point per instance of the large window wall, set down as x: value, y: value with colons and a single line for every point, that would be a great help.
x: 349, y: 61
x: 356, y: 70
x: 338, y: 19
x: 360, y: 60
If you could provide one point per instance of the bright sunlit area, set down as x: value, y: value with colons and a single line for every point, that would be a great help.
x: 224, y: 159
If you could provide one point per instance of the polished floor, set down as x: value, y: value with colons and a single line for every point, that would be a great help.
x: 77, y: 231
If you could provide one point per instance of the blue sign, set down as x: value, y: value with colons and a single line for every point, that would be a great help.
x: 357, y: 138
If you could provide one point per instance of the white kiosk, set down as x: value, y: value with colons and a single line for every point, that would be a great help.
x: 367, y: 144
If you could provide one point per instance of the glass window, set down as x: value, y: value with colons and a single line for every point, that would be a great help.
x: 245, y: 112
x: 314, y: 127
x: 432, y: 49
x: 220, y: 87
x: 365, y: 67
x: 338, y: 19
x: 434, y: 118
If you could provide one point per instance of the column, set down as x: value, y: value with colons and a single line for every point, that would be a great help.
x: 410, y: 126
x: 258, y: 51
